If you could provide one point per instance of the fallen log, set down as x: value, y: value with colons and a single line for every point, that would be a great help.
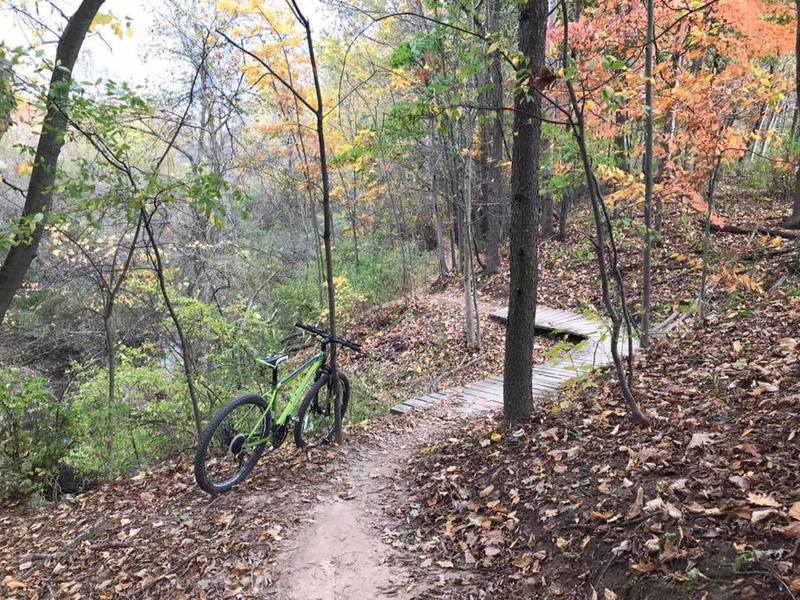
x: 782, y: 233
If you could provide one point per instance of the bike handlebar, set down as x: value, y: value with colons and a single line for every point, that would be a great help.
x: 327, y: 337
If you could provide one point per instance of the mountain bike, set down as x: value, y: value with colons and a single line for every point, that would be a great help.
x: 242, y: 431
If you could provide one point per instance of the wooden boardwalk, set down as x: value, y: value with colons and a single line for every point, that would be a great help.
x: 592, y: 352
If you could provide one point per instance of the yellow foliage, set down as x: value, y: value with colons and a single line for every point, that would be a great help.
x: 400, y: 82
x: 348, y: 301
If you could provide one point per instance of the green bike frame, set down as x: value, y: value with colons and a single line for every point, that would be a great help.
x: 308, y: 370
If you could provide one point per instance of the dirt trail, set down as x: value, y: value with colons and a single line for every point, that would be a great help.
x: 343, y: 550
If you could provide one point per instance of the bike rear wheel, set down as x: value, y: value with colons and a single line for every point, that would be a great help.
x: 232, y: 444
x: 316, y: 417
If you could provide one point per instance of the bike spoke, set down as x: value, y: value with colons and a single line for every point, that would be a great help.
x: 236, y: 441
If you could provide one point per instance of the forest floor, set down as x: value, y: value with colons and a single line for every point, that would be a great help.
x: 579, y: 503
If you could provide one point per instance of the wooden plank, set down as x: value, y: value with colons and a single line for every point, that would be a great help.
x: 550, y: 385
x: 500, y: 315
x: 493, y: 402
x: 416, y: 403
x: 559, y: 377
x: 549, y: 368
x: 490, y: 386
x: 488, y: 407
x: 548, y: 377
x: 482, y: 399
x: 475, y: 393
x: 429, y: 399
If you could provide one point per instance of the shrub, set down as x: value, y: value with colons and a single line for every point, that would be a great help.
x: 150, y: 418
x: 33, y: 434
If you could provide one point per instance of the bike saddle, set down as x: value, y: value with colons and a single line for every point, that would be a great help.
x: 274, y: 360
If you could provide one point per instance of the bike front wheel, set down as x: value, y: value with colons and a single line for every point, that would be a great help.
x: 316, y: 417
x: 232, y: 444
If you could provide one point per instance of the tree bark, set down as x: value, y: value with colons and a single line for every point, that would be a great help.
x: 39, y: 197
x: 648, y: 178
x: 470, y: 316
x: 794, y: 219
x: 547, y: 216
x: 603, y: 226
x: 186, y: 349
x: 437, y: 217
x: 327, y: 216
x: 517, y: 382
x: 495, y: 205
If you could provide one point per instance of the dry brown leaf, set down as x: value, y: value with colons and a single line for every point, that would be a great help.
x: 701, y: 439
x: 792, y: 530
x: 760, y: 515
x: 445, y: 564
x: 523, y: 561
x: 643, y: 566
x: 740, y: 512
x: 673, y: 511
x: 636, y: 508
x: 743, y: 483
x: 762, y: 500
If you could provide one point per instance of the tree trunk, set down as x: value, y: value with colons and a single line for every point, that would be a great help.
x: 563, y: 215
x: 603, y: 226
x: 517, y: 377
x: 495, y: 203
x: 710, y: 196
x: 354, y: 231
x: 466, y: 241
x: 547, y: 216
x: 794, y: 219
x: 327, y: 231
x: 186, y: 351
x: 648, y: 178
x: 437, y: 217
x: 111, y: 365
x: 39, y: 197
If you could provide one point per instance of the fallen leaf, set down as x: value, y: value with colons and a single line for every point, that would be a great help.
x: 524, y: 561
x: 743, y: 483
x: 760, y: 515
x: 794, y: 511
x: 13, y: 584
x: 792, y: 530
x: 643, y: 566
x: 700, y: 440
x: 636, y: 508
x: 673, y: 511
x: 762, y: 500
x: 563, y: 543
